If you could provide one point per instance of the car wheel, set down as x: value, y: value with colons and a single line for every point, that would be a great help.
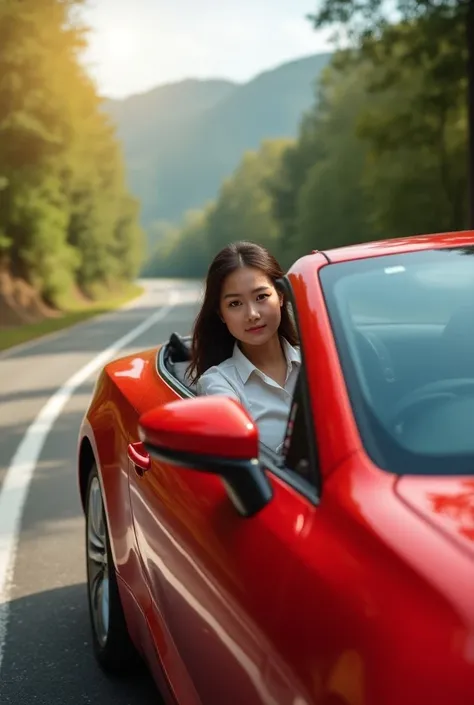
x: 112, y: 645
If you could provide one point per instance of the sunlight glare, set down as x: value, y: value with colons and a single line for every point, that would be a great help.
x: 120, y: 43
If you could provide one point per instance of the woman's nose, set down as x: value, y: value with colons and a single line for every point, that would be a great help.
x: 253, y: 314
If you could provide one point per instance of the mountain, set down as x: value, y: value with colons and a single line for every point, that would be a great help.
x: 181, y: 140
x: 163, y: 112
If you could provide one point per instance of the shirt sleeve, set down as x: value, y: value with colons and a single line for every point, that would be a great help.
x: 212, y: 382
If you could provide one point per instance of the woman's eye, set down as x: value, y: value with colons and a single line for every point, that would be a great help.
x: 261, y: 297
x: 233, y: 304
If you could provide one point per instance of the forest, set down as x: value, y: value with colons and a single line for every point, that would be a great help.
x: 67, y: 220
x: 384, y: 152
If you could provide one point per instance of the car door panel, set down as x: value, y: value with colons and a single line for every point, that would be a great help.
x: 220, y: 582
x: 112, y: 417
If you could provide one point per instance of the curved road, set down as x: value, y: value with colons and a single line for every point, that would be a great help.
x: 45, y: 650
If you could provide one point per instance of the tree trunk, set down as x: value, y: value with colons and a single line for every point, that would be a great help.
x: 470, y: 109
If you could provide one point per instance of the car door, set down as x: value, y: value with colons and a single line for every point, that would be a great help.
x: 219, y: 582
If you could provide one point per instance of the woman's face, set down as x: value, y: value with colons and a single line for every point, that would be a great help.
x: 250, y: 306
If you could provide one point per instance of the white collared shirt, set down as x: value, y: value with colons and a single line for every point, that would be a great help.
x: 267, y: 402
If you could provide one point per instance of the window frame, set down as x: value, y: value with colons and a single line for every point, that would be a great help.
x: 275, y: 462
x: 272, y: 461
x: 170, y: 379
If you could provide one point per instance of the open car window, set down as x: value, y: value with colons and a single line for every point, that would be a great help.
x: 172, y: 363
x: 298, y: 462
x: 295, y: 462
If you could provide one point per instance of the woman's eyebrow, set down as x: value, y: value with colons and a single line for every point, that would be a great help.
x: 254, y: 291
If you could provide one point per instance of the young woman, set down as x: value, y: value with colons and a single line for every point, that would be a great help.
x: 244, y: 339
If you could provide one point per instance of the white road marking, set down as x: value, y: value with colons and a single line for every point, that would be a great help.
x: 17, y: 480
x: 48, y: 337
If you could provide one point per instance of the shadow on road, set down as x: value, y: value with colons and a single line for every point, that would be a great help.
x: 48, y: 656
x: 42, y: 393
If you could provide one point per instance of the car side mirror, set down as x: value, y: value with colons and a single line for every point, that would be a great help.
x: 211, y: 434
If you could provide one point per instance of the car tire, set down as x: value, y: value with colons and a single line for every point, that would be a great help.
x: 111, y: 642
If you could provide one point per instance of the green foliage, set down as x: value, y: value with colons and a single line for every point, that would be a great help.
x: 332, y: 205
x: 242, y: 211
x: 380, y: 155
x: 181, y: 252
x: 285, y: 183
x: 65, y: 214
x: 434, y: 41
x: 372, y: 18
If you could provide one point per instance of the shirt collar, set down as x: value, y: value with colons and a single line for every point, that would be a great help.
x: 242, y: 364
x: 245, y: 368
x: 292, y: 354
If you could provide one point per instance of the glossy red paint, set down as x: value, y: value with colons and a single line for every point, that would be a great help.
x: 335, y: 428
x: 363, y: 599
x: 398, y: 245
x: 448, y: 503
x: 205, y: 426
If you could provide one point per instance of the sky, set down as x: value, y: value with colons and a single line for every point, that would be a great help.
x: 136, y: 45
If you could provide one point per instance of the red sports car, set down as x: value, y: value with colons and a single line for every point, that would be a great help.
x: 340, y: 572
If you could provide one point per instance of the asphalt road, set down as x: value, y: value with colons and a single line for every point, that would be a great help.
x: 45, y: 649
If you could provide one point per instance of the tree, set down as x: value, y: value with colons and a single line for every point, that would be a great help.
x: 65, y: 214
x: 39, y: 45
x: 181, y: 251
x: 243, y: 210
x: 333, y: 207
x: 371, y: 163
x: 286, y: 181
x: 444, y: 43
x: 416, y: 128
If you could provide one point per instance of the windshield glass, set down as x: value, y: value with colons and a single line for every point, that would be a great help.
x: 404, y: 328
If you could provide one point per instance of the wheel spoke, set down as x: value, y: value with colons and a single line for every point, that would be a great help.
x: 97, y: 556
x: 96, y: 584
x: 105, y: 606
x: 96, y: 515
x: 98, y: 563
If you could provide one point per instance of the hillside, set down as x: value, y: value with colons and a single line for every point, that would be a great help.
x: 181, y: 140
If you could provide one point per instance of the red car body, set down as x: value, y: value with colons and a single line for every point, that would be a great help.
x: 362, y: 594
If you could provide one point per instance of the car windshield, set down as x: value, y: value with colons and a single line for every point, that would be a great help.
x: 404, y: 328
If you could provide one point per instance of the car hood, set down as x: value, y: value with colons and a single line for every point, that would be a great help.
x: 447, y: 503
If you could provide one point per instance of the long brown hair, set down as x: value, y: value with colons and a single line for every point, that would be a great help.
x: 212, y: 342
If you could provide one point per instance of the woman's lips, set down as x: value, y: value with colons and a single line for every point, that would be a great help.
x: 256, y: 329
